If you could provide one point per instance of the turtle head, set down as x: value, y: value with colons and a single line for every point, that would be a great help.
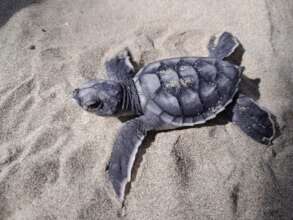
x: 102, y: 97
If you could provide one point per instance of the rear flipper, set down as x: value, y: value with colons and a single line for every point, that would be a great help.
x: 226, y: 47
x: 253, y: 120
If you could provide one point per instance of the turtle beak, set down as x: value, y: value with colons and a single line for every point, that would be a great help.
x: 75, y: 96
x: 75, y: 93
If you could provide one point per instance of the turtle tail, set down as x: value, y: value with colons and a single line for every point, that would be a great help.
x: 226, y: 47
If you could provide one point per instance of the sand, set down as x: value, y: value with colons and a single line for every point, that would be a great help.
x: 53, y: 155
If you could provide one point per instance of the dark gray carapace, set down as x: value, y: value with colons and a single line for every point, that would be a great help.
x: 187, y: 91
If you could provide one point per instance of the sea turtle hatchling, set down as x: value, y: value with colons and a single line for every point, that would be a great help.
x: 169, y: 94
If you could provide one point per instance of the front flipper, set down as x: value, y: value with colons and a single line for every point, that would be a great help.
x: 226, y: 46
x: 125, y: 149
x: 120, y: 66
x: 253, y: 120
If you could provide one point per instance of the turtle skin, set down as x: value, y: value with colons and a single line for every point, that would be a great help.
x: 189, y: 90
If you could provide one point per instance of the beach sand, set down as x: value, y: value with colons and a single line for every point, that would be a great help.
x: 53, y: 154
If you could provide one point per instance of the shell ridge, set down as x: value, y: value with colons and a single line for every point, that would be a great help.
x: 179, y: 92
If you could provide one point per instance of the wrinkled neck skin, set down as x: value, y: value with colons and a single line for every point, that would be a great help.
x: 130, y: 104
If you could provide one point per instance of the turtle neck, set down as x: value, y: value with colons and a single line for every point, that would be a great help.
x: 130, y: 100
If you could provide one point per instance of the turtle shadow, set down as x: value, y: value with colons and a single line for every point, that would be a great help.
x: 250, y: 87
x: 9, y: 7
x: 236, y: 56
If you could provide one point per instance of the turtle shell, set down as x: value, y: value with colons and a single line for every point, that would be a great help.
x: 189, y: 90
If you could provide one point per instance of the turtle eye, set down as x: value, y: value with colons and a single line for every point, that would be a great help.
x: 95, y: 105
